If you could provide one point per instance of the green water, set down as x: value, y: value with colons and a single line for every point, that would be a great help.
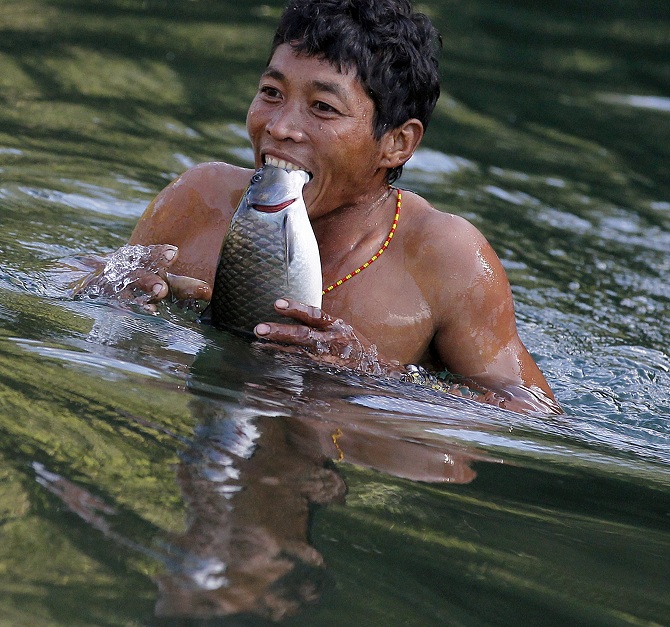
x: 155, y: 471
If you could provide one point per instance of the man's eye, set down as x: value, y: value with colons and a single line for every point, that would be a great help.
x: 324, y: 107
x: 270, y: 92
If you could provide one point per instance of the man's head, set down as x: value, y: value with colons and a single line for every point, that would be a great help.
x: 392, y: 49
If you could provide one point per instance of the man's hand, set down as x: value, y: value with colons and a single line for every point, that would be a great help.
x: 326, y: 339
x: 139, y: 274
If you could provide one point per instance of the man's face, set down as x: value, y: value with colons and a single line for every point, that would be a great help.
x: 309, y: 114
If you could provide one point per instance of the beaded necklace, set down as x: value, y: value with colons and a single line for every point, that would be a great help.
x: 374, y: 257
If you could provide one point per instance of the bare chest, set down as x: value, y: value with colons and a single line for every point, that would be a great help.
x: 389, y: 310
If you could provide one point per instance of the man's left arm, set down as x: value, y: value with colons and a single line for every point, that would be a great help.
x: 477, y: 337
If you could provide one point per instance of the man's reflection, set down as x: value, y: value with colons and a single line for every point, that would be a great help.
x: 253, y: 475
x: 249, y: 493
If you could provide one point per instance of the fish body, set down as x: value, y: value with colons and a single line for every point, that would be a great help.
x: 269, y: 252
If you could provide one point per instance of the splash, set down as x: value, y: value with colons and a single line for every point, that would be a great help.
x: 119, y: 271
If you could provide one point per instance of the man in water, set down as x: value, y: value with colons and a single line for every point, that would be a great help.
x: 347, y: 94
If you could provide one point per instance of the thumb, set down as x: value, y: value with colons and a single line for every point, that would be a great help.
x: 163, y: 255
x: 186, y: 287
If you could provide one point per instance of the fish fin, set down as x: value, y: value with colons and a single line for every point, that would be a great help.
x: 289, y: 239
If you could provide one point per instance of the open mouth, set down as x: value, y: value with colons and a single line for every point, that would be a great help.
x: 286, y: 165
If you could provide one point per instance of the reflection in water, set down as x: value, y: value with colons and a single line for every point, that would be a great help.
x: 251, y: 477
x: 249, y: 491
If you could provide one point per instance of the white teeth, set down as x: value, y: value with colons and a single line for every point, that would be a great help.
x: 280, y: 163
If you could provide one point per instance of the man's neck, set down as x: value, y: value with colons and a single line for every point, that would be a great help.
x: 348, y: 232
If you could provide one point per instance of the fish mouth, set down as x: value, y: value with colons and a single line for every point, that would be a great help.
x: 285, y: 165
x: 273, y: 208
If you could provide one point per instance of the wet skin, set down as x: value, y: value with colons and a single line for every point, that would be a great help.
x: 438, y: 296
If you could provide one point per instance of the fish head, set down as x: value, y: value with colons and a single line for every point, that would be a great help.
x: 273, y: 189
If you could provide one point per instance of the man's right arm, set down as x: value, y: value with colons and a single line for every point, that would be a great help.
x: 178, y: 239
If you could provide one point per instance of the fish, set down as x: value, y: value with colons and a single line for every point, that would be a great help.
x: 269, y: 252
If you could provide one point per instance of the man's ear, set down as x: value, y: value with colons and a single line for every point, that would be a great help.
x: 400, y: 143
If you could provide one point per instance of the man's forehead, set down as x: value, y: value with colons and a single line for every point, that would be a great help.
x: 285, y: 54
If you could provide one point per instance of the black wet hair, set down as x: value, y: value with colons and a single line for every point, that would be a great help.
x: 393, y: 50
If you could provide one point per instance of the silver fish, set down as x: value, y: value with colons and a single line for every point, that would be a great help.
x: 269, y: 252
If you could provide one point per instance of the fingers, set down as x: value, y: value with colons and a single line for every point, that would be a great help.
x: 152, y: 287
x: 155, y: 258
x: 306, y: 314
x: 161, y: 283
x: 316, y: 327
x: 294, y: 334
x: 138, y: 274
x: 327, y: 339
x: 188, y: 288
x: 161, y: 256
x: 148, y: 277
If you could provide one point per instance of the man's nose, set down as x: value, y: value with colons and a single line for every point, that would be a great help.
x: 286, y: 123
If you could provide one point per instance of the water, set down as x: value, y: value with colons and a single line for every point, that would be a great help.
x: 150, y: 466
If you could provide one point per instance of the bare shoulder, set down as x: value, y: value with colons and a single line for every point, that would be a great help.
x: 216, y: 182
x: 445, y: 242
x: 193, y: 213
x: 206, y: 190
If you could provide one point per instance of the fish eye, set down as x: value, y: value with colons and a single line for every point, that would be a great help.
x: 256, y: 178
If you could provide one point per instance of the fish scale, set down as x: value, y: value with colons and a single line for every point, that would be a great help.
x: 244, y: 302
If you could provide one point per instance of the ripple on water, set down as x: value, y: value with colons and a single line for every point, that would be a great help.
x: 104, y: 366
x: 429, y: 161
x: 563, y: 220
x: 95, y: 199
x: 655, y: 103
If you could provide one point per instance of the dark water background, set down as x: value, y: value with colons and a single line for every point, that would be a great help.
x: 150, y: 466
